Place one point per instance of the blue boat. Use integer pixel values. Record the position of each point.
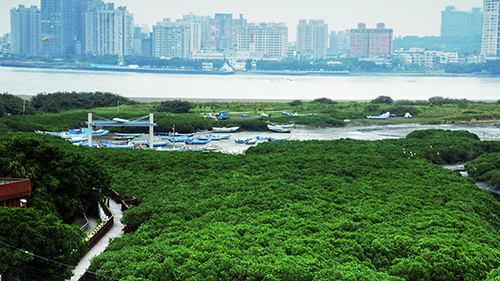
(262, 138)
(282, 139)
(176, 139)
(243, 115)
(194, 141)
(225, 130)
(241, 140)
(128, 135)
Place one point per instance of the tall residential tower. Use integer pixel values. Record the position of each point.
(59, 24)
(312, 37)
(26, 30)
(490, 45)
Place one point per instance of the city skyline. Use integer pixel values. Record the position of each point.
(420, 18)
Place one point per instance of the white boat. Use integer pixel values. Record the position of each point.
(279, 129)
(224, 129)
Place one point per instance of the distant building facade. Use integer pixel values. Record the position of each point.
(371, 42)
(461, 23)
(269, 38)
(490, 44)
(168, 40)
(110, 31)
(26, 30)
(82, 7)
(59, 24)
(224, 30)
(312, 36)
(340, 42)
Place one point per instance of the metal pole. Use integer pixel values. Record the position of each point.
(90, 129)
(151, 121)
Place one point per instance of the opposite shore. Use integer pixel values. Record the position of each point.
(429, 73)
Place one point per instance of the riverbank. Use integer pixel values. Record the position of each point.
(67, 66)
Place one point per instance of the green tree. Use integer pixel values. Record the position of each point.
(175, 106)
(35, 245)
(382, 99)
(64, 183)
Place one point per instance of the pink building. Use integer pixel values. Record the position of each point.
(371, 42)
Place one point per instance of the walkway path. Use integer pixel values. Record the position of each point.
(115, 231)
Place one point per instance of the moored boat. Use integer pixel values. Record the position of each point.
(224, 129)
(282, 139)
(195, 141)
(128, 134)
(280, 129)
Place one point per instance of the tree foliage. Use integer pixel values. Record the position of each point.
(36, 245)
(306, 210)
(174, 106)
(64, 183)
(14, 105)
(382, 99)
(61, 101)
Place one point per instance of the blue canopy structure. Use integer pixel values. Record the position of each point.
(138, 122)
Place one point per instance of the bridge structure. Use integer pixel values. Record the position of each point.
(118, 122)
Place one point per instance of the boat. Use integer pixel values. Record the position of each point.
(282, 139)
(408, 115)
(295, 114)
(175, 139)
(158, 143)
(127, 145)
(243, 115)
(182, 148)
(195, 141)
(78, 139)
(123, 138)
(241, 140)
(100, 132)
(251, 141)
(265, 115)
(262, 138)
(382, 116)
(128, 134)
(279, 129)
(224, 129)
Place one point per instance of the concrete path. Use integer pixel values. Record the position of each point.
(115, 231)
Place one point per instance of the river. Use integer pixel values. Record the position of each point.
(242, 86)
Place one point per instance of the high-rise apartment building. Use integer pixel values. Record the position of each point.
(224, 30)
(461, 23)
(490, 45)
(340, 42)
(82, 7)
(59, 24)
(168, 40)
(109, 31)
(26, 30)
(269, 38)
(371, 42)
(312, 37)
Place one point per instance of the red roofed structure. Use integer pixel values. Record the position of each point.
(14, 192)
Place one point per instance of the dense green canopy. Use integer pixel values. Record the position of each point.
(311, 210)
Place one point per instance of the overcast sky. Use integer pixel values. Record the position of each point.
(406, 17)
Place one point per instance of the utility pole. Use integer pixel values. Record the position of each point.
(118, 110)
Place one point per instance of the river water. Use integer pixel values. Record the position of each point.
(243, 86)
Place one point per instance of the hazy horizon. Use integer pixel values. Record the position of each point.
(419, 18)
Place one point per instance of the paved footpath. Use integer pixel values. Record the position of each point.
(115, 231)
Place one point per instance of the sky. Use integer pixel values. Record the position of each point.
(405, 17)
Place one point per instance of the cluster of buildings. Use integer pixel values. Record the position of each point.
(61, 27)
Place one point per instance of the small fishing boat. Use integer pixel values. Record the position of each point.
(241, 140)
(282, 139)
(195, 141)
(279, 129)
(382, 116)
(78, 139)
(243, 115)
(128, 134)
(123, 138)
(224, 129)
(250, 141)
(265, 115)
(182, 148)
(127, 145)
(262, 138)
(100, 132)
